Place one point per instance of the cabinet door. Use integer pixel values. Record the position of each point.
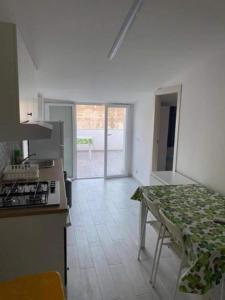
(9, 95)
(35, 109)
(26, 73)
(17, 77)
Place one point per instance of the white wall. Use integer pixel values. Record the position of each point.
(201, 146)
(142, 139)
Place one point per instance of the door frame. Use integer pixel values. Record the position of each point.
(176, 89)
(47, 105)
(127, 133)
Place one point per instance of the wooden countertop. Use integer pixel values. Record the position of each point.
(54, 173)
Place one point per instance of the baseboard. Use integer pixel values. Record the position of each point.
(134, 177)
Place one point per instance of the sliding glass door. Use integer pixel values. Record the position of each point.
(90, 143)
(116, 137)
(96, 138)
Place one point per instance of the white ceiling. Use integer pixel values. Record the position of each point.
(69, 40)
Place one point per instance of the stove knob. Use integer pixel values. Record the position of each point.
(52, 187)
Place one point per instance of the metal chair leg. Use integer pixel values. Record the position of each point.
(179, 275)
(222, 289)
(159, 255)
(156, 252)
(142, 234)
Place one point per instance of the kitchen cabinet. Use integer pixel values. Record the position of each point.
(32, 245)
(17, 77)
(33, 239)
(169, 178)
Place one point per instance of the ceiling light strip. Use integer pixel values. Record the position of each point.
(125, 27)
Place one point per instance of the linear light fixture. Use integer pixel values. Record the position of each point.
(136, 6)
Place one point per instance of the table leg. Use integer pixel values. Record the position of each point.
(142, 224)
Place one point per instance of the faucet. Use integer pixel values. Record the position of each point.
(27, 158)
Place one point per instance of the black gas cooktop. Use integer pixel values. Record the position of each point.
(29, 194)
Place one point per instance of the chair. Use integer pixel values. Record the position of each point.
(176, 244)
(222, 289)
(43, 286)
(157, 226)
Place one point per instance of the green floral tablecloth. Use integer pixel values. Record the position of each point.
(193, 209)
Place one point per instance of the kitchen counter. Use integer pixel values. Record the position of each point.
(54, 173)
(171, 178)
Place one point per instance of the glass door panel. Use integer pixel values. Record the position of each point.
(90, 126)
(116, 135)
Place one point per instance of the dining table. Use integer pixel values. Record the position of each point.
(194, 209)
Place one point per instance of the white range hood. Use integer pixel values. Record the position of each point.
(25, 131)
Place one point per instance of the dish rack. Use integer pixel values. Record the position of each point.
(21, 172)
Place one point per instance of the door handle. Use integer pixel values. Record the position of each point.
(68, 220)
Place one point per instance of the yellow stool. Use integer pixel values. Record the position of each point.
(45, 286)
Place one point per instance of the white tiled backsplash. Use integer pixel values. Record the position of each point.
(5, 153)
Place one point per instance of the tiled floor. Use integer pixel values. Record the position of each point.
(93, 166)
(103, 246)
